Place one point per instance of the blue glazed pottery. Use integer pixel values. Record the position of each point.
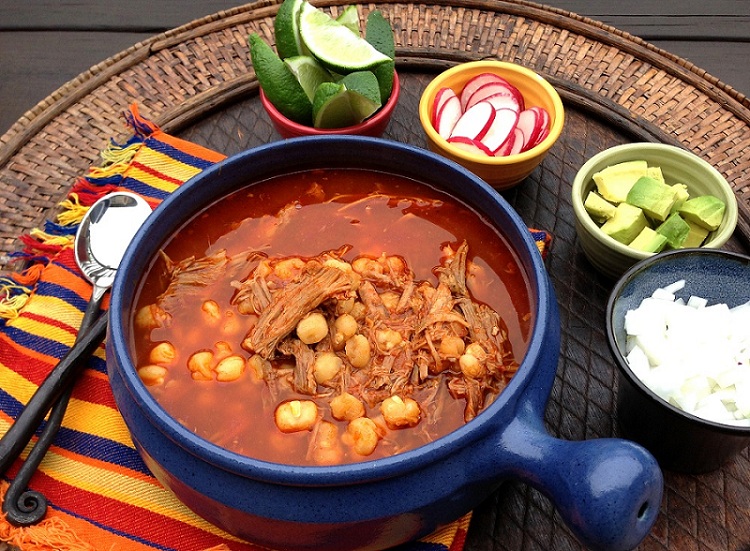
(609, 490)
(680, 441)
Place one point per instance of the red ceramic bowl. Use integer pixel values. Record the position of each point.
(374, 126)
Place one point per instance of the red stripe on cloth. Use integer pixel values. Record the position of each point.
(156, 173)
(120, 517)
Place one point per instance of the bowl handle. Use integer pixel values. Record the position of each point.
(607, 490)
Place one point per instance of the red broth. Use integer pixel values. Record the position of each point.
(303, 215)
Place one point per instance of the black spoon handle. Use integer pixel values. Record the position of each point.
(20, 432)
(24, 507)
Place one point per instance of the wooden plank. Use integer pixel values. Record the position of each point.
(129, 16)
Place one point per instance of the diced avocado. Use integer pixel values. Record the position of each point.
(706, 211)
(627, 222)
(655, 173)
(675, 229)
(598, 208)
(649, 241)
(696, 236)
(656, 199)
(614, 182)
(681, 195)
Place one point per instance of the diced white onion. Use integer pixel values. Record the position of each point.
(694, 355)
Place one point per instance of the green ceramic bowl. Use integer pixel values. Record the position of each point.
(613, 258)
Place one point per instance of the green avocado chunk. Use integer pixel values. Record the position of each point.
(675, 229)
(706, 211)
(598, 208)
(655, 198)
(649, 241)
(696, 236)
(614, 182)
(627, 222)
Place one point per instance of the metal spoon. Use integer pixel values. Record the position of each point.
(100, 243)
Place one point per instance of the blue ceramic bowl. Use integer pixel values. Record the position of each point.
(680, 441)
(608, 490)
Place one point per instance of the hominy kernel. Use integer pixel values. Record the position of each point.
(400, 413)
(296, 415)
(364, 435)
(364, 266)
(388, 339)
(211, 311)
(358, 351)
(200, 364)
(346, 407)
(152, 375)
(390, 300)
(258, 367)
(344, 328)
(358, 310)
(150, 317)
(327, 448)
(313, 328)
(163, 353)
(475, 349)
(326, 366)
(471, 367)
(230, 368)
(288, 268)
(452, 347)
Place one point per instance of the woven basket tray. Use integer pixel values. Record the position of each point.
(197, 82)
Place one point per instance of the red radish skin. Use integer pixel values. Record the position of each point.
(442, 95)
(518, 142)
(448, 116)
(507, 146)
(530, 123)
(495, 89)
(503, 101)
(469, 145)
(475, 122)
(501, 129)
(477, 82)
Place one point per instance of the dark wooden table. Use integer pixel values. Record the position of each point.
(45, 43)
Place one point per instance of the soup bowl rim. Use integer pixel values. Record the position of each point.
(488, 420)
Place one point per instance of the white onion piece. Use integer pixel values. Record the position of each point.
(694, 355)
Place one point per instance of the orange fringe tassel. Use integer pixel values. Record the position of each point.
(51, 534)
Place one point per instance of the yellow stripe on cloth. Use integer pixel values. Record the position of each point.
(173, 170)
(131, 488)
(98, 420)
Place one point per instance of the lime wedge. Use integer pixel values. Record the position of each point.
(350, 19)
(278, 83)
(364, 93)
(378, 32)
(286, 29)
(309, 73)
(335, 45)
(331, 107)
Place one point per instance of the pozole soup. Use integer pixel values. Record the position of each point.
(331, 316)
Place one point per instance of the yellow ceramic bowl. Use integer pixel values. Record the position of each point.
(611, 257)
(499, 172)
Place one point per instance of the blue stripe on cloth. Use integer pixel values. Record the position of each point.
(145, 190)
(178, 155)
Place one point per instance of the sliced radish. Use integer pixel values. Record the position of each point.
(475, 122)
(518, 142)
(530, 123)
(448, 116)
(477, 82)
(504, 101)
(495, 89)
(545, 124)
(502, 127)
(508, 145)
(442, 95)
(472, 146)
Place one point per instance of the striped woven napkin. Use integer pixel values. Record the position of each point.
(101, 495)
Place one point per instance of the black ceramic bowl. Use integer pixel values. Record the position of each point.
(680, 441)
(608, 490)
